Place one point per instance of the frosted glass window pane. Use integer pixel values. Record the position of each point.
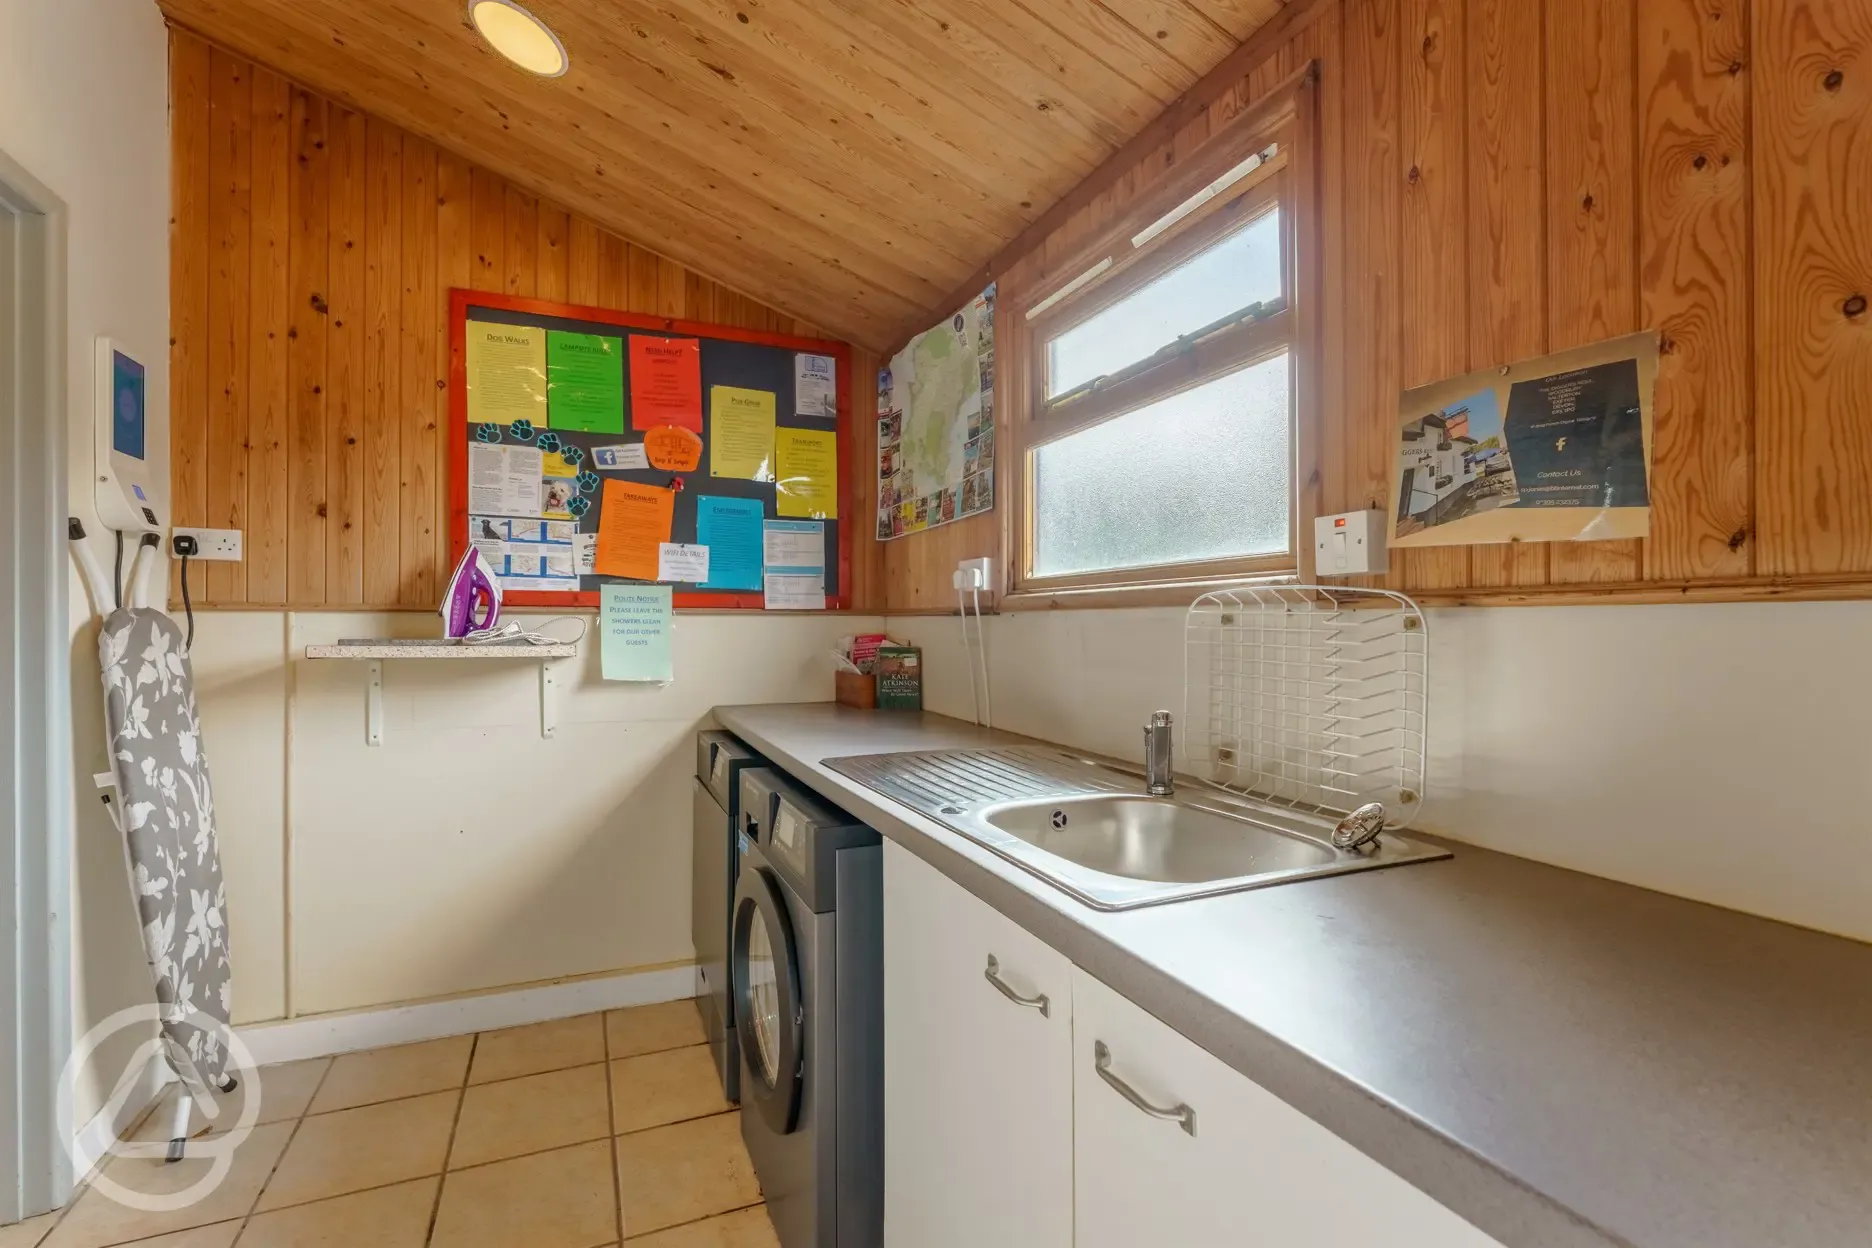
(1205, 474)
(1243, 268)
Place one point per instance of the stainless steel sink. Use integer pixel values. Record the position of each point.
(1155, 839)
(1086, 825)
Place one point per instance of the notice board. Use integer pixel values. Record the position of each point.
(588, 446)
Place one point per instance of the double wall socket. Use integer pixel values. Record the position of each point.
(222, 545)
(975, 574)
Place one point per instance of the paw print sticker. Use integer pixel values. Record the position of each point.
(522, 430)
(588, 482)
(488, 432)
(578, 506)
(574, 455)
(548, 442)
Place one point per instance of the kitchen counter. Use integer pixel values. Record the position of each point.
(1560, 1059)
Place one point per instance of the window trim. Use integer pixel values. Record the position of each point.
(1286, 116)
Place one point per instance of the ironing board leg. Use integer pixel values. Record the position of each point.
(179, 1126)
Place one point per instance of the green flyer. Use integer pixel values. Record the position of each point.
(585, 382)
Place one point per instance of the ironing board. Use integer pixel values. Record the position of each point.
(166, 814)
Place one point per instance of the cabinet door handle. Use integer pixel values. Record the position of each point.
(1101, 1062)
(1036, 1002)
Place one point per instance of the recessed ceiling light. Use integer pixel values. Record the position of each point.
(520, 37)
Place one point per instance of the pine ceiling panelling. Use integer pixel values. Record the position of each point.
(848, 160)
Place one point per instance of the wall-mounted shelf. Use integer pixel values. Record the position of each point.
(374, 650)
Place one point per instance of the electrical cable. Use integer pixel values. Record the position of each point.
(511, 632)
(117, 572)
(967, 652)
(981, 639)
(188, 608)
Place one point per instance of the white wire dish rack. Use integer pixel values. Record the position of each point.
(1310, 697)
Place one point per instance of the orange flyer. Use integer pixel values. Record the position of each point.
(673, 449)
(633, 522)
(665, 382)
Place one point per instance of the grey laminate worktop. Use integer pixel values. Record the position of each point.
(1558, 1058)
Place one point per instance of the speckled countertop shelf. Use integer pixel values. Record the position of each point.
(421, 648)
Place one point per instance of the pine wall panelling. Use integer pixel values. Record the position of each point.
(1502, 178)
(313, 249)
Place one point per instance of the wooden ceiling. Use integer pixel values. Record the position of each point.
(849, 161)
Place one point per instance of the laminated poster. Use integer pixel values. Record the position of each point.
(936, 424)
(1552, 449)
(806, 473)
(815, 385)
(665, 382)
(741, 433)
(504, 480)
(585, 382)
(684, 564)
(527, 555)
(794, 577)
(633, 523)
(634, 632)
(506, 374)
(731, 529)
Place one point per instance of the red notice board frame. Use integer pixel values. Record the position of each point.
(460, 301)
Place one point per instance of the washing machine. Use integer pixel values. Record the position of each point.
(720, 761)
(807, 966)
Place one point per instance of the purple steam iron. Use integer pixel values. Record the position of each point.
(472, 589)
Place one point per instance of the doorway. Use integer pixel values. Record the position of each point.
(35, 732)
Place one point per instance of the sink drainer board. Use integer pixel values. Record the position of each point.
(1311, 697)
(935, 781)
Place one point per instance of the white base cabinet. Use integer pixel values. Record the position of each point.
(978, 1095)
(1215, 1159)
(1090, 1124)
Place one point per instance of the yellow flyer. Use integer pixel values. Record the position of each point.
(806, 473)
(506, 374)
(741, 433)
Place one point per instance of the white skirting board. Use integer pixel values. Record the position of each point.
(326, 1035)
(95, 1138)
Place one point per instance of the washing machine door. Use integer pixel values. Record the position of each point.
(769, 1009)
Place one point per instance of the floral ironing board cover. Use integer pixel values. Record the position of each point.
(169, 832)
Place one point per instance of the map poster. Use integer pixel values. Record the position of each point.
(1547, 450)
(936, 424)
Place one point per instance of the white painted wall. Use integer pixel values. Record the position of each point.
(466, 852)
(1717, 752)
(84, 108)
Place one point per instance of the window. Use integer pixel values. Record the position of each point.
(1160, 436)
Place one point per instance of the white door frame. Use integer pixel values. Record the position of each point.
(35, 683)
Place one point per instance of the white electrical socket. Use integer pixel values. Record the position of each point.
(222, 545)
(975, 574)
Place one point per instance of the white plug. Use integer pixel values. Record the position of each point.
(977, 574)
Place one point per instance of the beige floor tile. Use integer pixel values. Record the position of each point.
(533, 1050)
(372, 1146)
(388, 1074)
(670, 1086)
(285, 1091)
(531, 1115)
(96, 1219)
(683, 1173)
(220, 1235)
(745, 1228)
(648, 1028)
(27, 1234)
(562, 1199)
(386, 1217)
